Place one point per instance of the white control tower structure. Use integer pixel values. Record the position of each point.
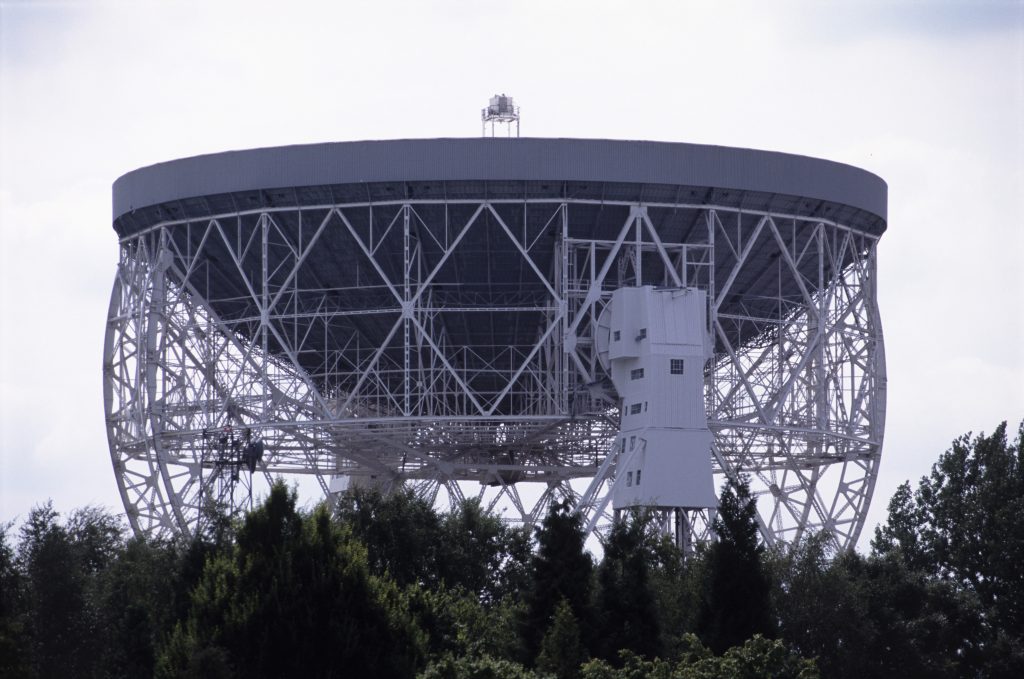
(654, 344)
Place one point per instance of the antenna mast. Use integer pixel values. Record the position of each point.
(501, 109)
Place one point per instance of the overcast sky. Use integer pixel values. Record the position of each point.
(928, 95)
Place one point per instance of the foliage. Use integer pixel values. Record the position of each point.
(482, 554)
(77, 599)
(562, 651)
(13, 636)
(962, 526)
(477, 667)
(757, 658)
(561, 569)
(389, 587)
(134, 599)
(873, 616)
(678, 586)
(901, 534)
(402, 534)
(294, 598)
(632, 667)
(408, 542)
(456, 623)
(214, 536)
(963, 522)
(58, 563)
(626, 606)
(736, 601)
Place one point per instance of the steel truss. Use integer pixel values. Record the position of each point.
(401, 374)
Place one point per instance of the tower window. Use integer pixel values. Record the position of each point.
(634, 409)
(629, 479)
(636, 374)
(642, 334)
(638, 476)
(616, 335)
(675, 366)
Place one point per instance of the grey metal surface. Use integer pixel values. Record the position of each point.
(242, 178)
(425, 313)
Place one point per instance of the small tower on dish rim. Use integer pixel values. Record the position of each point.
(500, 110)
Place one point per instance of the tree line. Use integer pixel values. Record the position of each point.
(385, 586)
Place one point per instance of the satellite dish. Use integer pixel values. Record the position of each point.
(435, 314)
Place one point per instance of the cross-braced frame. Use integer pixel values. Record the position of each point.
(448, 345)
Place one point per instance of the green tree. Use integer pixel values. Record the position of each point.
(561, 650)
(411, 543)
(757, 658)
(736, 601)
(294, 598)
(915, 626)
(873, 616)
(818, 609)
(214, 536)
(458, 624)
(476, 667)
(561, 568)
(401, 531)
(13, 637)
(482, 554)
(626, 607)
(59, 564)
(134, 599)
(629, 665)
(963, 525)
(902, 533)
(676, 585)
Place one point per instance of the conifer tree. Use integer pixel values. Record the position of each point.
(13, 636)
(561, 651)
(560, 569)
(627, 611)
(736, 601)
(294, 598)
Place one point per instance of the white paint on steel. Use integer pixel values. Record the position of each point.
(799, 406)
(654, 343)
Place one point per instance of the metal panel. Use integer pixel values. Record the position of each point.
(437, 332)
(444, 160)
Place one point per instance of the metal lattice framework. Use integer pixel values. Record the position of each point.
(448, 344)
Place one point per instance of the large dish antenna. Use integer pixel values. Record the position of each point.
(432, 313)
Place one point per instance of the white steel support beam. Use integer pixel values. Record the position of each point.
(234, 319)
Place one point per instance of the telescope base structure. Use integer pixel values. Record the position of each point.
(455, 346)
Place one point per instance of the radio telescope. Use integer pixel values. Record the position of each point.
(469, 318)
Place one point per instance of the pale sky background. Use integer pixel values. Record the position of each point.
(928, 95)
